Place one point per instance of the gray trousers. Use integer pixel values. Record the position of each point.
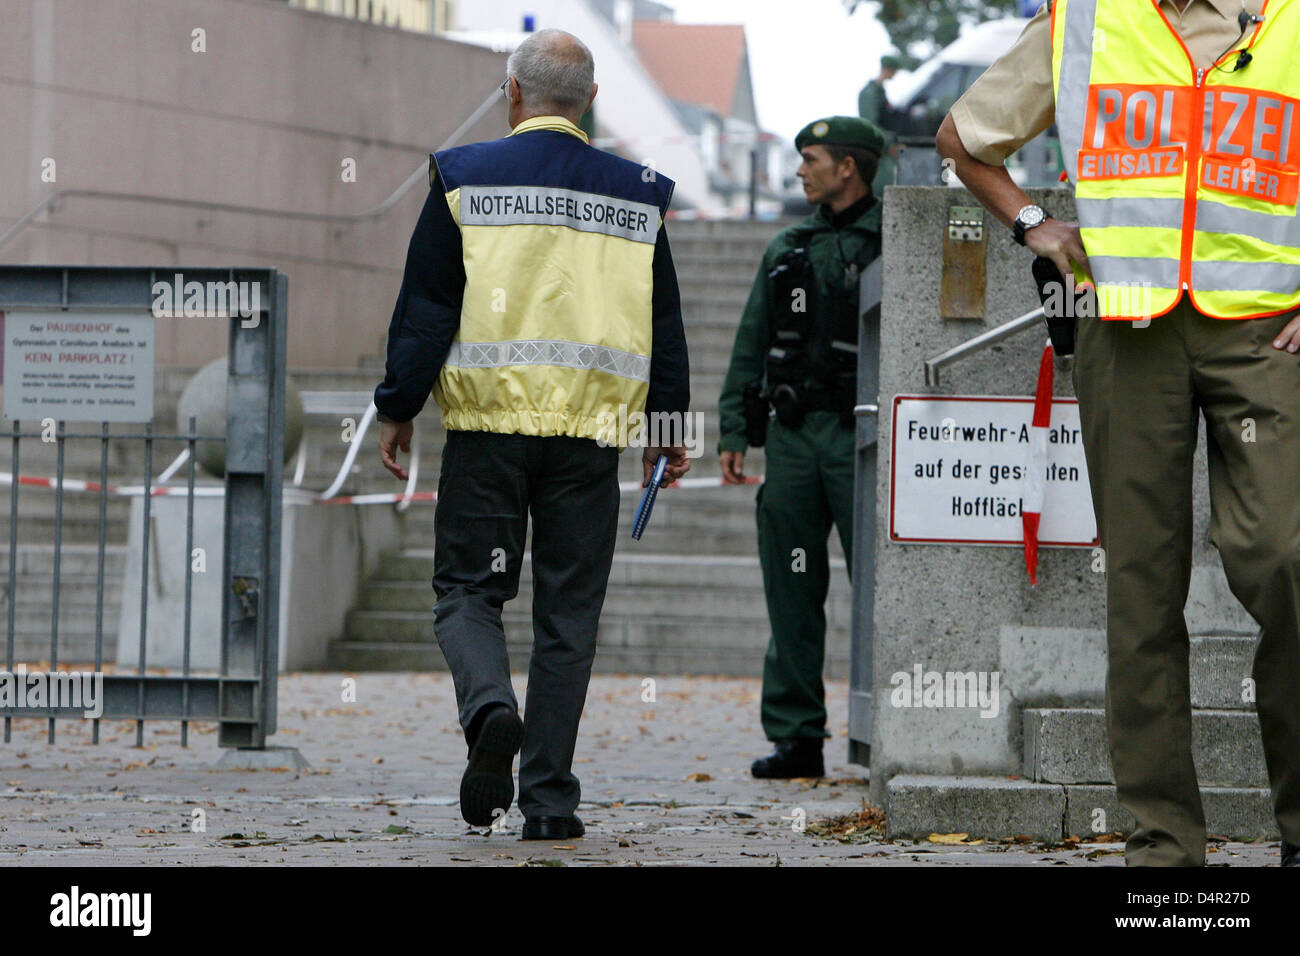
(488, 486)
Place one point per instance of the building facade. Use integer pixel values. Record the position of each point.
(422, 16)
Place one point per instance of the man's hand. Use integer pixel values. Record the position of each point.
(733, 467)
(679, 463)
(1289, 337)
(995, 190)
(1060, 242)
(391, 437)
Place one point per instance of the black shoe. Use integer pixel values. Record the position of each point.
(488, 785)
(553, 828)
(1290, 854)
(800, 757)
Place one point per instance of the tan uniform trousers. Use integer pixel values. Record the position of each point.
(1140, 391)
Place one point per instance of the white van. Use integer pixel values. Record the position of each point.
(925, 96)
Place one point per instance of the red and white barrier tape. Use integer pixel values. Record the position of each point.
(382, 498)
(76, 484)
(626, 487)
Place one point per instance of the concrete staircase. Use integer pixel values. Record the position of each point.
(33, 584)
(1067, 784)
(688, 597)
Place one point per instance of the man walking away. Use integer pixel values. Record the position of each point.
(539, 298)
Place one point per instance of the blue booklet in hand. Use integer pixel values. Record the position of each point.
(648, 497)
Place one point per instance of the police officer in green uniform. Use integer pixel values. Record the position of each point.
(874, 107)
(795, 354)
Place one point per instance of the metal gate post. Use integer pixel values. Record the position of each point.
(242, 697)
(864, 515)
(251, 562)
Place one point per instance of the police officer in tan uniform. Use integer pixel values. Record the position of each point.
(1140, 388)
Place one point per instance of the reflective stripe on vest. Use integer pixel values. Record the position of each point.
(599, 358)
(1184, 179)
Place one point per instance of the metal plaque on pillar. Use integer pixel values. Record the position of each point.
(965, 244)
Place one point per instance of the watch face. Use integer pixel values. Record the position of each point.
(1032, 216)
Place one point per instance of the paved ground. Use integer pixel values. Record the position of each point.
(664, 782)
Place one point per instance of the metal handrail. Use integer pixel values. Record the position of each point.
(375, 212)
(334, 402)
(354, 446)
(978, 344)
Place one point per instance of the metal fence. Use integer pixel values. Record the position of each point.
(867, 413)
(241, 696)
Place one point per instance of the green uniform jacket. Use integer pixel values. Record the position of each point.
(830, 251)
(872, 103)
(871, 106)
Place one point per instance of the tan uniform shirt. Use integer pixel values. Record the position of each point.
(1013, 101)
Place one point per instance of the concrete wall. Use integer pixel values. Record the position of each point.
(115, 95)
(327, 553)
(972, 608)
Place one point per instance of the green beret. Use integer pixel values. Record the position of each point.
(842, 131)
(891, 62)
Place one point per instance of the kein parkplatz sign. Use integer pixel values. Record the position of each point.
(78, 366)
(957, 464)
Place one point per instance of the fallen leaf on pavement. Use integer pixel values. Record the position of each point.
(865, 825)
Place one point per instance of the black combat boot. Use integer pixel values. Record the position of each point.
(800, 757)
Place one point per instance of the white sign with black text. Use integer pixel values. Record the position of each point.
(957, 464)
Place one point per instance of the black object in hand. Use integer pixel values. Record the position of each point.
(1063, 303)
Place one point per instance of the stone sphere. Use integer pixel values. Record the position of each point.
(205, 398)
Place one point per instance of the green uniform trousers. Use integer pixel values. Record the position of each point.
(807, 486)
(1140, 391)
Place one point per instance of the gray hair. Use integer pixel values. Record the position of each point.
(555, 72)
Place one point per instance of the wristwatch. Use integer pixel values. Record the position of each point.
(1028, 217)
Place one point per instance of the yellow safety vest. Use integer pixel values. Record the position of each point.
(558, 244)
(1185, 179)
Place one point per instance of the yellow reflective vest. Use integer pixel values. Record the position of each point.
(1186, 179)
(558, 242)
